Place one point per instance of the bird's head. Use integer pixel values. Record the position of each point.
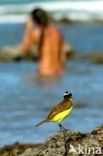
(68, 95)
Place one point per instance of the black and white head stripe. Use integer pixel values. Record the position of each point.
(66, 94)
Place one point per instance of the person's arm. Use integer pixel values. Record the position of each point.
(27, 40)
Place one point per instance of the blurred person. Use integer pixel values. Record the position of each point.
(39, 31)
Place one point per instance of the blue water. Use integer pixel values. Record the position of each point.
(26, 99)
(83, 37)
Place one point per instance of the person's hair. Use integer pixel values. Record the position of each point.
(40, 17)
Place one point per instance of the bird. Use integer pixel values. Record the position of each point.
(60, 112)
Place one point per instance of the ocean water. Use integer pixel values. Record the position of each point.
(82, 37)
(26, 99)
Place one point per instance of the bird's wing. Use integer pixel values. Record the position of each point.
(62, 106)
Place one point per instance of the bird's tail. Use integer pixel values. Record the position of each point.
(40, 123)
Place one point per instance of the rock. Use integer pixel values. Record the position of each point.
(10, 53)
(16, 149)
(70, 52)
(94, 57)
(65, 20)
(97, 58)
(68, 143)
(14, 53)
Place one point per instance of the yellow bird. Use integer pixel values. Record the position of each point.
(61, 111)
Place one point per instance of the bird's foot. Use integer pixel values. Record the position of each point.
(62, 128)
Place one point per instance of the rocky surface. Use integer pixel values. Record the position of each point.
(97, 58)
(16, 149)
(65, 143)
(14, 53)
(94, 57)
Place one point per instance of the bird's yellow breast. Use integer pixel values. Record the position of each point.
(61, 116)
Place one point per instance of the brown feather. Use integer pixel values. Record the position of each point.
(62, 106)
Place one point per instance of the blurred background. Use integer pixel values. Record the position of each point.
(25, 99)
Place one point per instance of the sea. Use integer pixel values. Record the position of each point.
(26, 98)
(17, 10)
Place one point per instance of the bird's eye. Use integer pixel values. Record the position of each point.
(70, 94)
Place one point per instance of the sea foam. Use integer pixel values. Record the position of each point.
(75, 10)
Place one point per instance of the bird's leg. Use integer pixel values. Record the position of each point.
(63, 130)
(61, 127)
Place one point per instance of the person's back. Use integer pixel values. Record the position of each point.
(51, 49)
(50, 43)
